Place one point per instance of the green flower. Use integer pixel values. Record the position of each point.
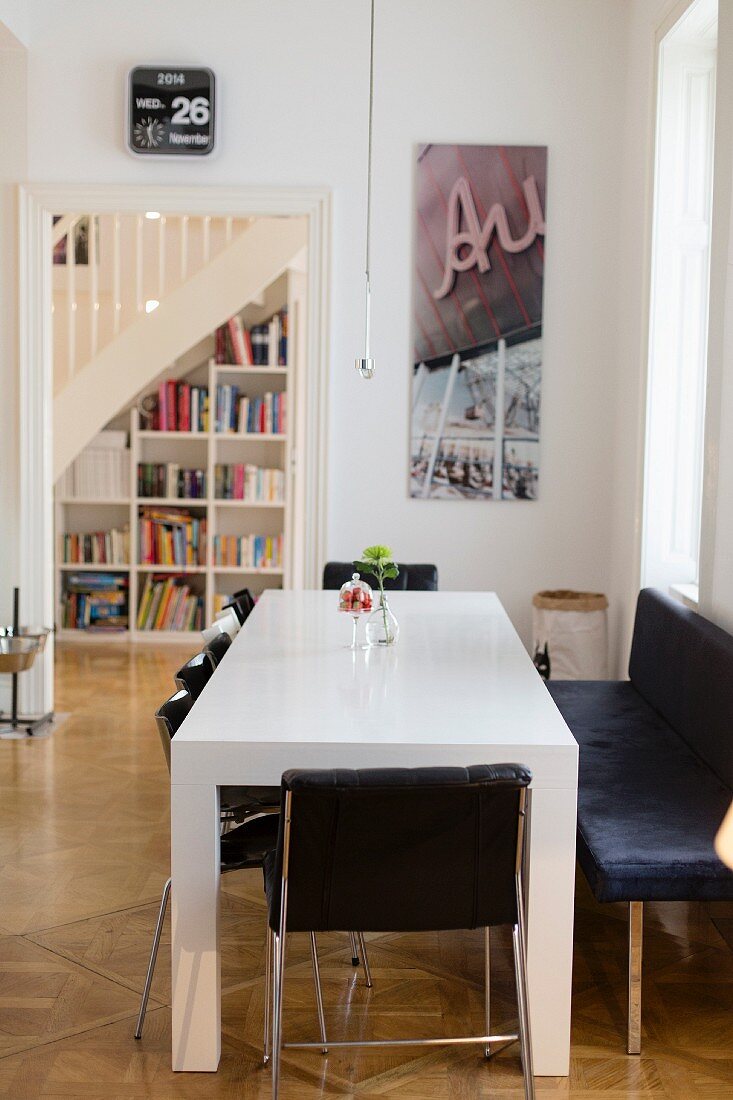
(377, 553)
(377, 562)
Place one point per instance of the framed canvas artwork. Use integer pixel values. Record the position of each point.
(477, 369)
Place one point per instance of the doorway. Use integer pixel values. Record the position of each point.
(81, 399)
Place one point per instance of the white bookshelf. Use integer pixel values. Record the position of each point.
(204, 450)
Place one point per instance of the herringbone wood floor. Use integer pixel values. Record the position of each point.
(84, 845)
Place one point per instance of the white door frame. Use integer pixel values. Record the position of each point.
(37, 204)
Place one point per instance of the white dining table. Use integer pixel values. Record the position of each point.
(459, 688)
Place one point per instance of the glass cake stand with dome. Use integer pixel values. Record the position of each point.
(356, 599)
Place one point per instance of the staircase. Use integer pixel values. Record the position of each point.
(135, 292)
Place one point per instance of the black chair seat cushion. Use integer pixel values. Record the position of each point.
(248, 845)
(648, 807)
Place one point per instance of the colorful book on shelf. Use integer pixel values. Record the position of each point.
(94, 602)
(168, 479)
(264, 345)
(168, 603)
(236, 413)
(248, 483)
(96, 548)
(239, 341)
(248, 551)
(181, 407)
(171, 537)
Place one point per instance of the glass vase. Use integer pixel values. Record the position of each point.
(382, 629)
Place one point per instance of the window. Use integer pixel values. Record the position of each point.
(678, 321)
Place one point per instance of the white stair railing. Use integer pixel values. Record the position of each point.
(131, 262)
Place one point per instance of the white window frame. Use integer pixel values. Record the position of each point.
(679, 303)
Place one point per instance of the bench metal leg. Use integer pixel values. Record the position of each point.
(636, 927)
(487, 988)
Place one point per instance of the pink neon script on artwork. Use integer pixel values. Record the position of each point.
(467, 248)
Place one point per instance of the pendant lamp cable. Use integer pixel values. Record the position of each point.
(369, 155)
(366, 365)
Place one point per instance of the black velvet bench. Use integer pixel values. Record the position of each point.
(656, 770)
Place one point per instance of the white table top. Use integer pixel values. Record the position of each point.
(458, 688)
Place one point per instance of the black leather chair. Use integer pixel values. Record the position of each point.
(411, 578)
(241, 848)
(237, 804)
(243, 603)
(195, 674)
(218, 647)
(406, 830)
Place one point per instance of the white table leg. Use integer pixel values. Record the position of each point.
(550, 928)
(196, 964)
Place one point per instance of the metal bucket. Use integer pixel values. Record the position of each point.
(39, 634)
(17, 654)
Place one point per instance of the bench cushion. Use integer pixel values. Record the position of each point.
(648, 806)
(683, 666)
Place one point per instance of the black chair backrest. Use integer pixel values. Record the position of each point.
(218, 647)
(412, 578)
(195, 674)
(400, 849)
(169, 718)
(243, 603)
(682, 664)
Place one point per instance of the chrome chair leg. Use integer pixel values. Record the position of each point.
(319, 991)
(269, 948)
(487, 988)
(365, 960)
(354, 949)
(277, 1011)
(520, 970)
(636, 936)
(153, 958)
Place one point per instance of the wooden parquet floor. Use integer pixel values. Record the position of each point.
(84, 847)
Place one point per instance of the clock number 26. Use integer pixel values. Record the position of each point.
(189, 111)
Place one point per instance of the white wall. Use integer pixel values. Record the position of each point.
(292, 91)
(15, 23)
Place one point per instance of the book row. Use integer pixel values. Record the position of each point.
(95, 602)
(98, 603)
(167, 603)
(168, 479)
(242, 481)
(180, 407)
(248, 551)
(237, 413)
(97, 547)
(259, 346)
(171, 537)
